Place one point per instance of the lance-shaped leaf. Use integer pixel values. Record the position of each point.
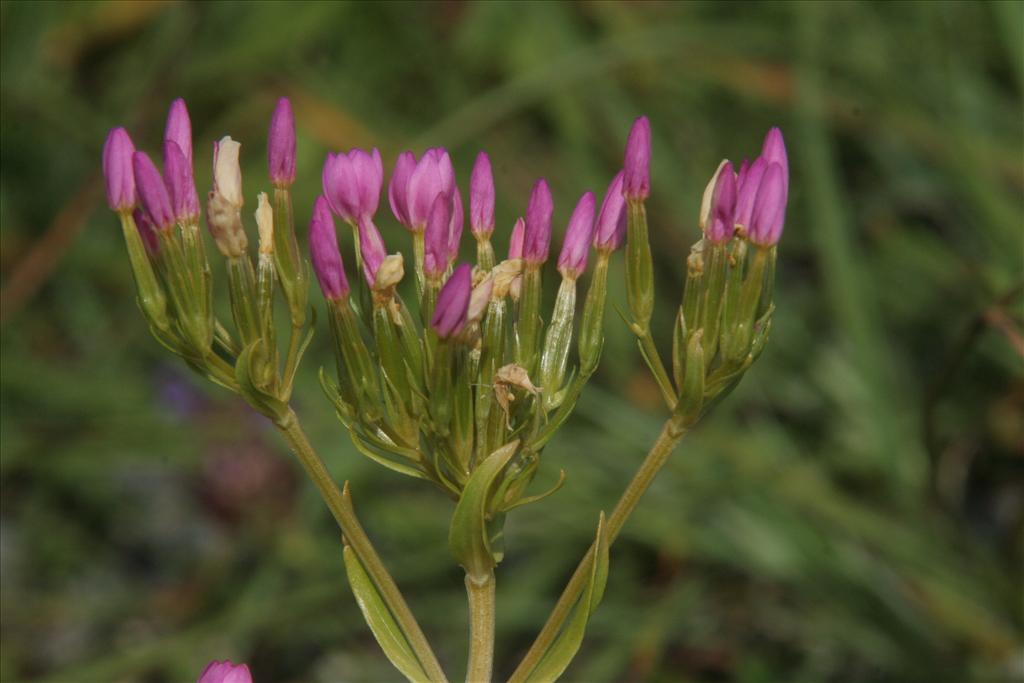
(567, 644)
(469, 534)
(380, 620)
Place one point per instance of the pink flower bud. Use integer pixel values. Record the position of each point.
(147, 231)
(225, 672)
(281, 144)
(152, 191)
(481, 196)
(573, 259)
(323, 251)
(774, 151)
(180, 183)
(537, 240)
(352, 184)
(117, 170)
(769, 213)
(637, 165)
(453, 303)
(179, 128)
(371, 248)
(515, 243)
(435, 257)
(398, 188)
(432, 176)
(610, 229)
(455, 225)
(747, 184)
(721, 224)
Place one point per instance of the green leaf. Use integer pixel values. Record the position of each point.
(469, 536)
(567, 644)
(380, 620)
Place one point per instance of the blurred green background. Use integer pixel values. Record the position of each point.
(853, 512)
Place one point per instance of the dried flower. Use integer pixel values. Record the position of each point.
(537, 240)
(572, 261)
(323, 251)
(281, 144)
(118, 171)
(352, 184)
(481, 197)
(265, 223)
(227, 174)
(637, 165)
(453, 303)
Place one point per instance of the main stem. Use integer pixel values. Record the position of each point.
(670, 436)
(481, 628)
(360, 542)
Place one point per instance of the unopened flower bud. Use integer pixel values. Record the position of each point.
(118, 171)
(352, 184)
(227, 175)
(152, 191)
(455, 225)
(720, 224)
(774, 151)
(432, 176)
(610, 228)
(281, 144)
(708, 196)
(225, 672)
(265, 223)
(147, 231)
(572, 261)
(371, 248)
(435, 258)
(398, 188)
(452, 303)
(515, 243)
(225, 223)
(769, 212)
(637, 164)
(180, 183)
(481, 197)
(537, 239)
(323, 251)
(748, 183)
(179, 128)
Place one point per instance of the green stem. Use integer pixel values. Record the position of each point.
(653, 359)
(343, 513)
(291, 360)
(481, 628)
(670, 436)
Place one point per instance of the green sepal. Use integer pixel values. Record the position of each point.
(564, 648)
(571, 394)
(292, 271)
(639, 266)
(242, 291)
(591, 337)
(536, 497)
(470, 531)
(149, 294)
(367, 449)
(484, 252)
(691, 392)
(257, 396)
(288, 382)
(679, 348)
(529, 325)
(714, 295)
(382, 623)
(555, 353)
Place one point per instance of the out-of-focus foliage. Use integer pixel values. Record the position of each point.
(852, 512)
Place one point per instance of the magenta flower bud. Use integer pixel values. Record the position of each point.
(746, 191)
(455, 225)
(179, 128)
(432, 176)
(769, 207)
(352, 184)
(481, 197)
(180, 183)
(281, 144)
(323, 251)
(117, 170)
(637, 165)
(774, 152)
(515, 243)
(453, 303)
(371, 248)
(573, 259)
(537, 240)
(435, 256)
(721, 226)
(147, 231)
(610, 229)
(398, 188)
(152, 191)
(225, 672)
